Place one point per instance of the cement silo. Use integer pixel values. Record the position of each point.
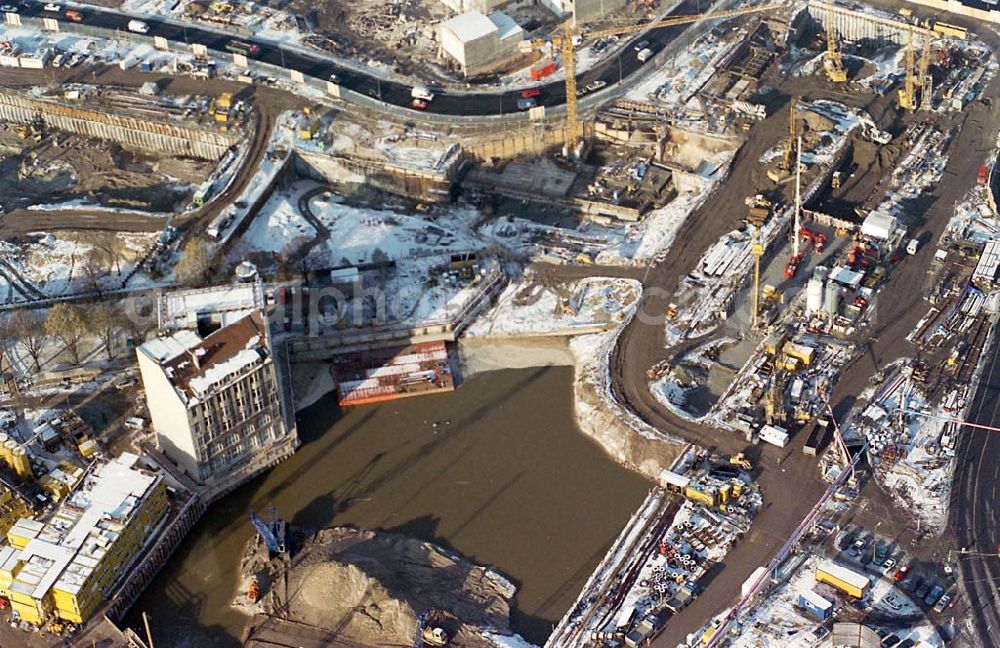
(831, 300)
(814, 294)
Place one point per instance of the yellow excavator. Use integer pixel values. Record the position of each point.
(784, 169)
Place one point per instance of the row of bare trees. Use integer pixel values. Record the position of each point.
(69, 324)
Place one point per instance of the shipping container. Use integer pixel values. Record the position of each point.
(816, 605)
(818, 431)
(846, 580)
(950, 30)
(542, 69)
(758, 574)
(670, 478)
(774, 435)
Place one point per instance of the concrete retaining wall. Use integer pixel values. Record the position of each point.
(155, 137)
(427, 186)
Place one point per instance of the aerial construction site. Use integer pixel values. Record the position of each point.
(258, 262)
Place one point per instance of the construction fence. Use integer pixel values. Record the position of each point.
(156, 137)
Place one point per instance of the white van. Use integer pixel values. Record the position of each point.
(138, 27)
(645, 55)
(422, 92)
(912, 246)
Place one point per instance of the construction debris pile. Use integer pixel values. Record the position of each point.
(721, 500)
(911, 442)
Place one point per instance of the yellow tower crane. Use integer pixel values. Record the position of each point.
(568, 31)
(925, 80)
(834, 62)
(907, 94)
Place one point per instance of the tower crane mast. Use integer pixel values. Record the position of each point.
(566, 33)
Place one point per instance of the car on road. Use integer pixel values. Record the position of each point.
(52, 7)
(9, 8)
(74, 16)
(530, 92)
(333, 78)
(641, 45)
(942, 603)
(419, 104)
(594, 86)
(526, 103)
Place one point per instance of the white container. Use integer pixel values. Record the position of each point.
(774, 435)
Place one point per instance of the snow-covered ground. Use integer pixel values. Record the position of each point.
(675, 83)
(526, 308)
(912, 445)
(779, 621)
(70, 263)
(507, 641)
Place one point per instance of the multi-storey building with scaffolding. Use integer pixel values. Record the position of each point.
(64, 568)
(214, 386)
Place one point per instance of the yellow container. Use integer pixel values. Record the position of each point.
(7, 452)
(22, 465)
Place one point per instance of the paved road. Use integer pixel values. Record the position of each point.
(393, 92)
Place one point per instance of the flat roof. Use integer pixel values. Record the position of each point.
(182, 308)
(470, 26)
(849, 576)
(76, 538)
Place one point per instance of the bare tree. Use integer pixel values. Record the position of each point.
(94, 267)
(194, 262)
(103, 321)
(65, 321)
(28, 327)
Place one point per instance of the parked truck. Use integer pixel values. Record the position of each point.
(643, 631)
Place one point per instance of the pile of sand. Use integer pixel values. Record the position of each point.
(370, 588)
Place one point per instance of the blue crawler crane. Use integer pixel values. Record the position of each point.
(272, 533)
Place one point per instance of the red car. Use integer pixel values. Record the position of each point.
(530, 92)
(419, 104)
(900, 574)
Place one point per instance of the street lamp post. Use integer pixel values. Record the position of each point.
(875, 541)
